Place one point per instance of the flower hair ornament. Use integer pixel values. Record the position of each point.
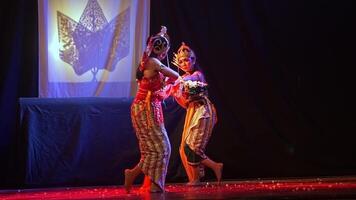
(158, 44)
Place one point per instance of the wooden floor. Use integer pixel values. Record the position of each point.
(293, 188)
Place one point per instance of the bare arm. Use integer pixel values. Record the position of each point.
(166, 71)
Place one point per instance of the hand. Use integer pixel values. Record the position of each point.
(179, 80)
(178, 86)
(169, 80)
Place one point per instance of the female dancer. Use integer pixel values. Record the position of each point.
(200, 117)
(147, 116)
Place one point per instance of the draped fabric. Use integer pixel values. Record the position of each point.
(154, 143)
(84, 140)
(87, 141)
(199, 123)
(147, 120)
(90, 47)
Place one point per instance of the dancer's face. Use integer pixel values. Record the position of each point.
(186, 64)
(162, 55)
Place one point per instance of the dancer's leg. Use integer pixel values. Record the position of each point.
(130, 176)
(187, 168)
(195, 175)
(146, 184)
(216, 167)
(155, 188)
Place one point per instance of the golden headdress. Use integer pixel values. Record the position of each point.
(184, 51)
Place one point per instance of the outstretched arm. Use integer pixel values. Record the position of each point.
(166, 71)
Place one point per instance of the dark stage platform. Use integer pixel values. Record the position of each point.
(292, 188)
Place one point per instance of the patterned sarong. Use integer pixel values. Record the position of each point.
(154, 144)
(199, 122)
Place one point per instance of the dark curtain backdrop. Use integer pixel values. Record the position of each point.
(18, 78)
(279, 74)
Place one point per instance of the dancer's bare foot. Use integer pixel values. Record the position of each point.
(194, 183)
(155, 189)
(201, 171)
(218, 171)
(146, 185)
(128, 180)
(144, 189)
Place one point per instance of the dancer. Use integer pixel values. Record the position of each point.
(200, 117)
(147, 115)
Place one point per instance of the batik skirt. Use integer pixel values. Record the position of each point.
(155, 148)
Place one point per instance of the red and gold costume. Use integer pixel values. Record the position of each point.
(148, 122)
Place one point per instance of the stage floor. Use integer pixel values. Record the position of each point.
(258, 189)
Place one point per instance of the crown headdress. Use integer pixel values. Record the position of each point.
(184, 51)
(158, 43)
